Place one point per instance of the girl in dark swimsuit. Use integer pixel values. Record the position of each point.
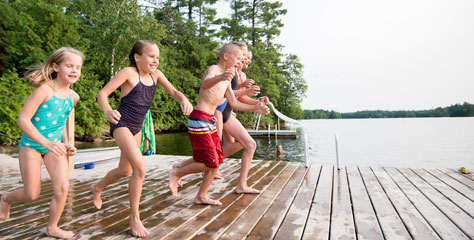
(138, 86)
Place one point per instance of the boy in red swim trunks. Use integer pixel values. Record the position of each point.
(207, 151)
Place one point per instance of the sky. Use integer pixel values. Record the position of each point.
(380, 54)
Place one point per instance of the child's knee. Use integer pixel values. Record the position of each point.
(250, 144)
(139, 172)
(32, 195)
(124, 172)
(61, 189)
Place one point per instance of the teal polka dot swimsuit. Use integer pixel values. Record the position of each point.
(50, 120)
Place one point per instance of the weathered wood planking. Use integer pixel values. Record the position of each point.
(296, 203)
(450, 210)
(390, 222)
(295, 220)
(342, 221)
(366, 223)
(317, 226)
(440, 223)
(412, 219)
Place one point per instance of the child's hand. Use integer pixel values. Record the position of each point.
(113, 116)
(262, 108)
(265, 100)
(248, 83)
(186, 107)
(56, 147)
(228, 74)
(71, 150)
(252, 91)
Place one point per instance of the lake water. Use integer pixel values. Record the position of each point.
(400, 142)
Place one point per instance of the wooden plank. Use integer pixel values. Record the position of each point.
(460, 218)
(268, 225)
(453, 183)
(231, 204)
(454, 196)
(438, 221)
(117, 224)
(244, 224)
(227, 217)
(82, 213)
(295, 220)
(390, 223)
(317, 226)
(459, 177)
(412, 219)
(342, 221)
(367, 225)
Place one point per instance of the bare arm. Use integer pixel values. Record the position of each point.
(186, 106)
(258, 108)
(211, 77)
(118, 80)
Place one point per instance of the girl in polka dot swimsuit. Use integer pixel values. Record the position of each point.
(42, 121)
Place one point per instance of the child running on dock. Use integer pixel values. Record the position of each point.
(42, 120)
(138, 86)
(207, 151)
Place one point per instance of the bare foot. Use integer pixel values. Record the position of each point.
(218, 175)
(97, 200)
(59, 233)
(240, 190)
(4, 208)
(175, 166)
(138, 230)
(207, 201)
(173, 182)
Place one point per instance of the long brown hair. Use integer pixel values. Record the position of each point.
(44, 73)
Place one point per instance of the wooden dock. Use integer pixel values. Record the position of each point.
(319, 202)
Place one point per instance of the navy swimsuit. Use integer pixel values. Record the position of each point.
(134, 106)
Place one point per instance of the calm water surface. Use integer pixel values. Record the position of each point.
(401, 142)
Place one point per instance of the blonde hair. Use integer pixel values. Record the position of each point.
(44, 73)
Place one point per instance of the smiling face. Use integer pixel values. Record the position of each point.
(69, 70)
(148, 61)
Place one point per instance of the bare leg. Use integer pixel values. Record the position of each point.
(220, 127)
(30, 169)
(201, 197)
(130, 148)
(230, 146)
(58, 170)
(195, 167)
(235, 129)
(123, 170)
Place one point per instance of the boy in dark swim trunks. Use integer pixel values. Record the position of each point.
(207, 152)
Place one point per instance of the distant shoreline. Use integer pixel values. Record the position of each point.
(457, 110)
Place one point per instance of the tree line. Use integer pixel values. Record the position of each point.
(187, 32)
(457, 110)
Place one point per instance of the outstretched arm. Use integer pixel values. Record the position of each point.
(186, 106)
(258, 108)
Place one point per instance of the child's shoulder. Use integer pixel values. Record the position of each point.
(75, 97)
(46, 87)
(128, 70)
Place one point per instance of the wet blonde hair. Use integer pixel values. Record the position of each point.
(45, 72)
